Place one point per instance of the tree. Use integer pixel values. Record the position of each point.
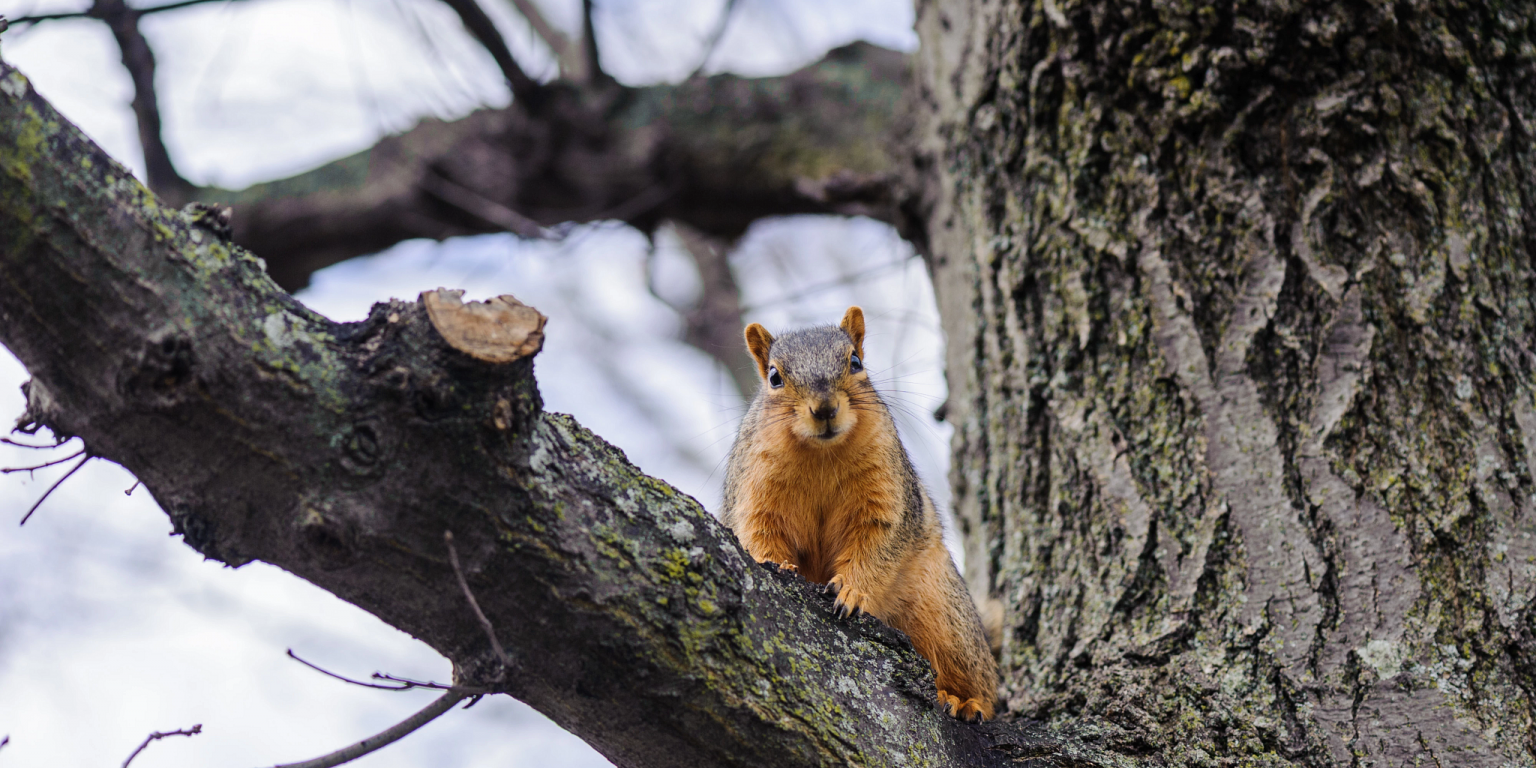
(1239, 308)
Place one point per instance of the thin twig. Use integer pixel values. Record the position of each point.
(569, 57)
(30, 470)
(595, 73)
(136, 484)
(490, 632)
(404, 684)
(481, 207)
(7, 739)
(409, 683)
(53, 488)
(156, 736)
(714, 37)
(344, 678)
(8, 441)
(389, 735)
(88, 14)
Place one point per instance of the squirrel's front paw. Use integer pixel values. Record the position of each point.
(790, 567)
(849, 599)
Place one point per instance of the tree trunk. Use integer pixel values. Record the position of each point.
(1238, 300)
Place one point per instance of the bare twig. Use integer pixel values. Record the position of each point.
(389, 735)
(343, 678)
(32, 469)
(54, 487)
(407, 683)
(8, 441)
(7, 739)
(156, 736)
(595, 73)
(88, 14)
(524, 89)
(136, 484)
(714, 37)
(490, 632)
(402, 683)
(475, 204)
(573, 65)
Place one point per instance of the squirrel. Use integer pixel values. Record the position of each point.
(818, 482)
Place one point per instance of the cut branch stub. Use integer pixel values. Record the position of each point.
(499, 330)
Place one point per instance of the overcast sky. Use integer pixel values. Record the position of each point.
(111, 629)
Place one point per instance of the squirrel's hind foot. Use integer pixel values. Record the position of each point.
(969, 710)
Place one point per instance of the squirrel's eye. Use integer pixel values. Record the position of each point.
(855, 364)
(774, 379)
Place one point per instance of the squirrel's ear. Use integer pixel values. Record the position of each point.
(853, 325)
(758, 342)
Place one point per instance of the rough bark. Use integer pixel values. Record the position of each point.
(1238, 299)
(343, 452)
(715, 153)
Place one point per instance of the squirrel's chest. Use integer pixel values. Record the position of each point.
(817, 511)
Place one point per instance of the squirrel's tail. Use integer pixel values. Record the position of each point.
(991, 610)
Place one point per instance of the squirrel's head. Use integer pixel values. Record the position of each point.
(814, 381)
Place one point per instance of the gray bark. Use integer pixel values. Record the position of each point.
(1238, 299)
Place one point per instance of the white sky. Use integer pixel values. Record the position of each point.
(110, 629)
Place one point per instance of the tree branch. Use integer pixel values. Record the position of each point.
(139, 60)
(89, 14)
(524, 89)
(594, 62)
(713, 41)
(573, 63)
(156, 736)
(713, 324)
(340, 452)
(715, 154)
(389, 735)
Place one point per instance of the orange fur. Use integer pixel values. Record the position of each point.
(819, 483)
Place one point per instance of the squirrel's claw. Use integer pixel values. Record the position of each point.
(849, 600)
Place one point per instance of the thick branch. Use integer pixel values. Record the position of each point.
(341, 452)
(716, 154)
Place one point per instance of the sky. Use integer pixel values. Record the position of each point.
(110, 628)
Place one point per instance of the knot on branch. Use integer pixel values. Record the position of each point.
(329, 531)
(159, 369)
(217, 219)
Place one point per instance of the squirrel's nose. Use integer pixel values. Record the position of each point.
(826, 412)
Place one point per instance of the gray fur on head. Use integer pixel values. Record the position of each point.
(820, 355)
